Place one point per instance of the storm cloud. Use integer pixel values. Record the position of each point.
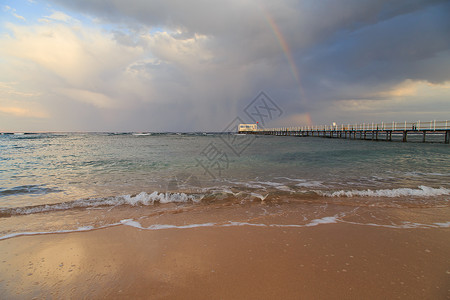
(194, 65)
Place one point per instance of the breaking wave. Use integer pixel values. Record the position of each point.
(419, 196)
(142, 198)
(421, 191)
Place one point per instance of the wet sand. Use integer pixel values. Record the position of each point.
(330, 261)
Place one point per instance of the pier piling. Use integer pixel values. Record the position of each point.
(431, 132)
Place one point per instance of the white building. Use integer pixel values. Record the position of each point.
(247, 127)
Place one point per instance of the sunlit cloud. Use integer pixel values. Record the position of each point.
(22, 112)
(7, 8)
(76, 56)
(410, 100)
(59, 16)
(170, 65)
(10, 89)
(94, 98)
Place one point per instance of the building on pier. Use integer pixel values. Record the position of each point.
(247, 127)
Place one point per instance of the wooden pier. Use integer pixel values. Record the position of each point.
(431, 131)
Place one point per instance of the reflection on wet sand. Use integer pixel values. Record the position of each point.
(325, 261)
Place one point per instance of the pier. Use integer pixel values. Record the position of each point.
(430, 131)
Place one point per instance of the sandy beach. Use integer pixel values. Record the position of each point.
(330, 261)
(113, 216)
(197, 149)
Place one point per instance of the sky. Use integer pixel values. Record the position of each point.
(176, 65)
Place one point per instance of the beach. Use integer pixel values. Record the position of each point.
(124, 216)
(329, 261)
(224, 149)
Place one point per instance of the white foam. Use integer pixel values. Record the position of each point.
(232, 224)
(422, 191)
(310, 184)
(130, 222)
(164, 226)
(142, 198)
(315, 222)
(269, 183)
(443, 225)
(17, 234)
(161, 226)
(262, 184)
(324, 220)
(226, 191)
(150, 199)
(291, 179)
(259, 196)
(417, 174)
(196, 225)
(284, 188)
(250, 184)
(404, 225)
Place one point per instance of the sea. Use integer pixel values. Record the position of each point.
(54, 183)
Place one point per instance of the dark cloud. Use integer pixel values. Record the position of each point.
(201, 61)
(409, 46)
(351, 31)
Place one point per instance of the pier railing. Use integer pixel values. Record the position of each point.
(394, 126)
(384, 131)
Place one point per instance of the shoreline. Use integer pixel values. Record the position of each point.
(331, 261)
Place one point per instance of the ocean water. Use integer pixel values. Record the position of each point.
(66, 182)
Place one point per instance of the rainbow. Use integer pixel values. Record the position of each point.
(287, 53)
(308, 119)
(283, 44)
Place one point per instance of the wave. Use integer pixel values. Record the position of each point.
(338, 218)
(404, 225)
(142, 198)
(16, 234)
(315, 222)
(282, 194)
(307, 184)
(263, 185)
(136, 224)
(422, 191)
(32, 135)
(419, 174)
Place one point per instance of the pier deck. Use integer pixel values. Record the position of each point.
(432, 131)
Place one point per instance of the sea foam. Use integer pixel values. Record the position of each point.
(422, 191)
(315, 222)
(142, 198)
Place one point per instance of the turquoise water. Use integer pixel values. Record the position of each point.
(54, 176)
